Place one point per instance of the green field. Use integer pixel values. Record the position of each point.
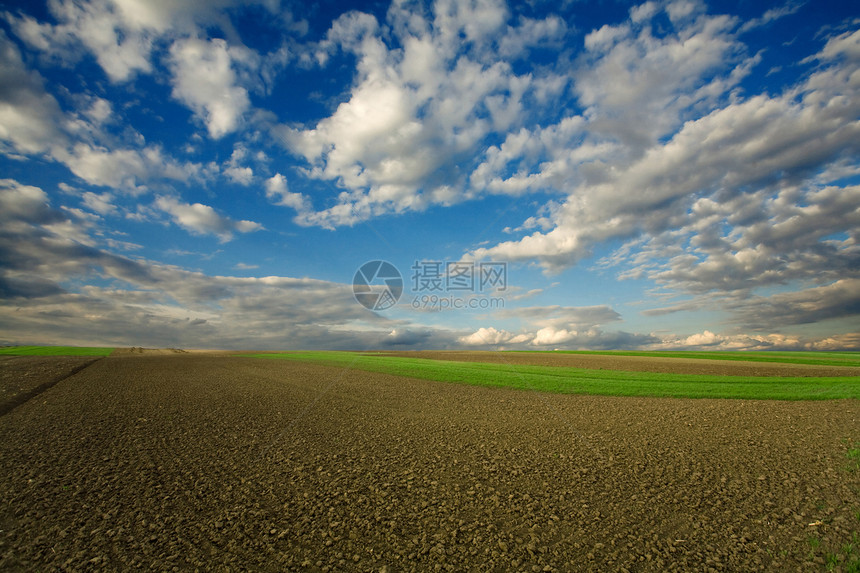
(814, 358)
(55, 351)
(567, 380)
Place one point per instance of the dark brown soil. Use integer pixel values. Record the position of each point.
(222, 463)
(24, 377)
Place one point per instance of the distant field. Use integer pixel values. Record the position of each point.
(54, 351)
(813, 358)
(567, 380)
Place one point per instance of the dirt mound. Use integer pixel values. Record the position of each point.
(209, 461)
(148, 351)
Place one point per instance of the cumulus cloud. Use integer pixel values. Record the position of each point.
(28, 115)
(126, 37)
(755, 240)
(532, 33)
(418, 109)
(101, 203)
(236, 169)
(120, 34)
(637, 87)
(241, 175)
(491, 337)
(708, 340)
(203, 219)
(204, 79)
(846, 44)
(556, 327)
(120, 45)
(125, 169)
(277, 191)
(32, 122)
(644, 187)
(551, 338)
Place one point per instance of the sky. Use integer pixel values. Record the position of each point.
(460, 174)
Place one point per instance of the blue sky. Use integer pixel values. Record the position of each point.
(657, 175)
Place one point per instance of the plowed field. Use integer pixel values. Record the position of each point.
(183, 461)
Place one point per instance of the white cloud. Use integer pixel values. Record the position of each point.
(847, 44)
(488, 337)
(31, 122)
(126, 37)
(120, 50)
(121, 34)
(28, 116)
(124, 169)
(203, 219)
(549, 336)
(708, 340)
(849, 341)
(278, 193)
(555, 326)
(204, 79)
(638, 14)
(637, 87)
(417, 110)
(744, 147)
(119, 168)
(236, 171)
(532, 33)
(771, 15)
(755, 240)
(101, 203)
(100, 111)
(241, 175)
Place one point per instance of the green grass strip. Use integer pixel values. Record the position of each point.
(584, 381)
(799, 357)
(54, 351)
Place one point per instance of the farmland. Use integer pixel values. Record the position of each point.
(551, 372)
(54, 351)
(377, 461)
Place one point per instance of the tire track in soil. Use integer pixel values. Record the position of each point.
(21, 398)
